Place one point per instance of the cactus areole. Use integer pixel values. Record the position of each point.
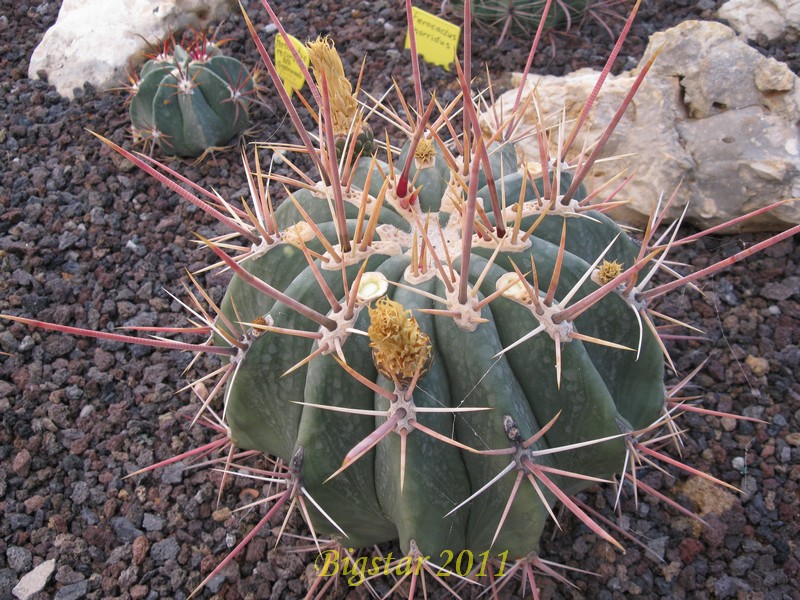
(190, 99)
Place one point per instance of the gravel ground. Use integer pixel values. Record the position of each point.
(87, 240)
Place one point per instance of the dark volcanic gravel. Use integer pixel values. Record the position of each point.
(86, 240)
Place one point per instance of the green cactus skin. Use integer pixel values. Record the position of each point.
(364, 143)
(191, 99)
(522, 17)
(603, 391)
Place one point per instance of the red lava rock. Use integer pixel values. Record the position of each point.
(776, 291)
(208, 563)
(97, 536)
(256, 550)
(139, 549)
(110, 508)
(79, 446)
(139, 591)
(57, 524)
(22, 463)
(714, 533)
(103, 360)
(34, 503)
(689, 548)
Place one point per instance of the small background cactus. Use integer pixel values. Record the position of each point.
(522, 17)
(190, 98)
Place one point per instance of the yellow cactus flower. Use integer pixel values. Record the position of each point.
(425, 151)
(399, 347)
(608, 271)
(325, 61)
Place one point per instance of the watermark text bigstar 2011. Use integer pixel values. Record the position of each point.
(335, 562)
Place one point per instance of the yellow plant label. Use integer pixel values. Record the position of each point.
(437, 40)
(285, 64)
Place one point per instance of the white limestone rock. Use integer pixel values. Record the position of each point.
(34, 581)
(713, 116)
(774, 19)
(95, 40)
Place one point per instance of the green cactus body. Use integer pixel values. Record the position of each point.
(364, 143)
(191, 100)
(602, 392)
(521, 17)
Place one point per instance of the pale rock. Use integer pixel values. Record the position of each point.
(34, 581)
(758, 365)
(714, 120)
(96, 41)
(774, 19)
(707, 497)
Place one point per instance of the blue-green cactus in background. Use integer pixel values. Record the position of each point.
(191, 98)
(522, 17)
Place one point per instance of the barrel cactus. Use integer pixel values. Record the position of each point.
(466, 354)
(433, 344)
(190, 98)
(522, 17)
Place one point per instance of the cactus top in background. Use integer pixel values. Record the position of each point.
(190, 98)
(522, 17)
